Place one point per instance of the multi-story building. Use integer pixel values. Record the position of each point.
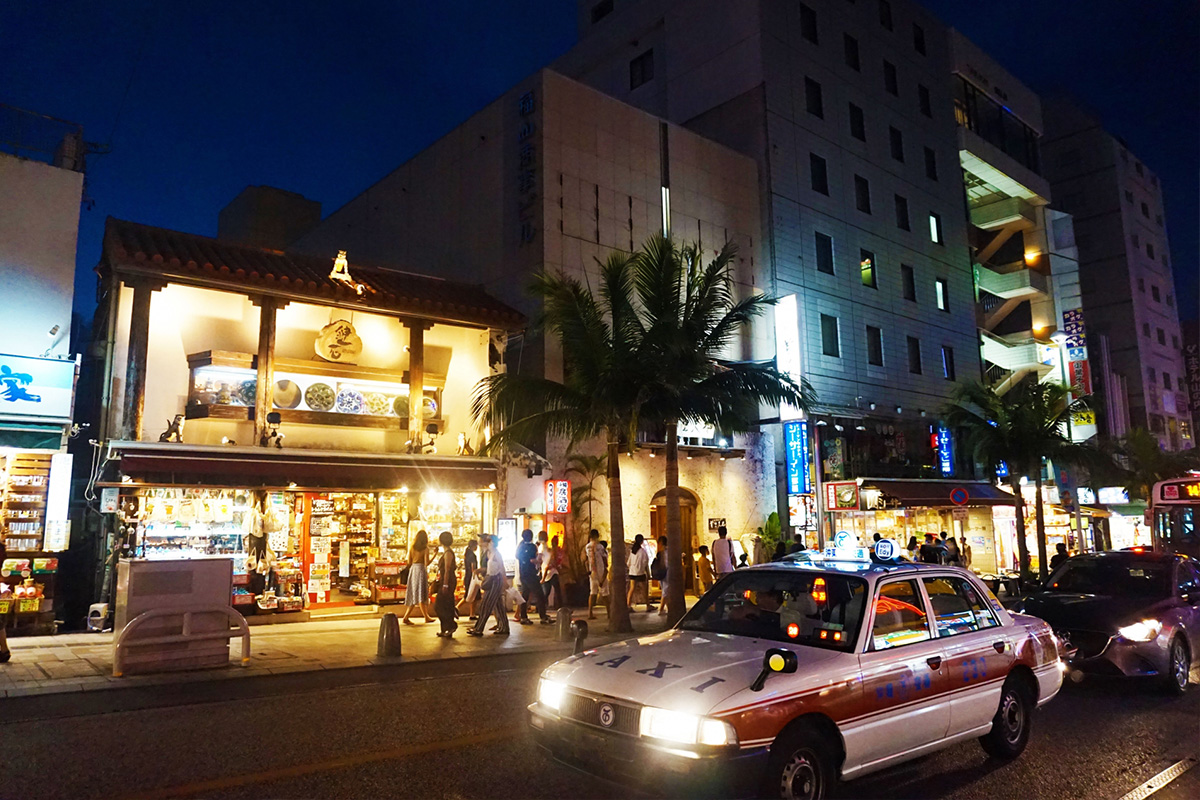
(1125, 267)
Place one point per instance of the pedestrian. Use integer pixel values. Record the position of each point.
(639, 573)
(528, 572)
(416, 594)
(658, 571)
(597, 567)
(943, 549)
(1060, 555)
(5, 653)
(797, 545)
(722, 552)
(493, 588)
(912, 548)
(780, 552)
(447, 585)
(472, 578)
(953, 555)
(704, 568)
(929, 551)
(965, 550)
(551, 555)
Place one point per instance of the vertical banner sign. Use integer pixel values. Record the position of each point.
(1077, 364)
(787, 346)
(558, 497)
(1191, 360)
(945, 450)
(799, 470)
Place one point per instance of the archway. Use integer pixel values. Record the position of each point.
(689, 505)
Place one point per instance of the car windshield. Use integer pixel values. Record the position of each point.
(1125, 577)
(815, 609)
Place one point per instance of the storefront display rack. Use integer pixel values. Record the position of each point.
(388, 581)
(24, 479)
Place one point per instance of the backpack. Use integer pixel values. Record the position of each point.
(658, 568)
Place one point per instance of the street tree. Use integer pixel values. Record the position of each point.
(1145, 462)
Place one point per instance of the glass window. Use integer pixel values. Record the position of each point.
(1128, 196)
(1167, 381)
(890, 80)
(874, 345)
(829, 336)
(1145, 211)
(935, 228)
(601, 10)
(896, 138)
(931, 164)
(914, 355)
(948, 363)
(885, 14)
(1146, 329)
(866, 263)
(923, 100)
(641, 69)
(940, 288)
(850, 46)
(862, 194)
(900, 617)
(808, 24)
(918, 38)
(909, 280)
(818, 174)
(1150, 249)
(1154, 292)
(902, 213)
(1189, 579)
(813, 609)
(1116, 576)
(1162, 335)
(812, 98)
(858, 125)
(824, 246)
(957, 607)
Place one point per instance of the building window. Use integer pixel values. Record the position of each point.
(1162, 336)
(1167, 381)
(1137, 241)
(1171, 299)
(1137, 165)
(1145, 211)
(918, 38)
(942, 290)
(874, 345)
(902, 213)
(976, 111)
(1150, 249)
(824, 246)
(890, 81)
(850, 46)
(948, 363)
(858, 125)
(1141, 284)
(1158, 220)
(923, 100)
(1164, 260)
(1175, 344)
(930, 164)
(914, 355)
(908, 280)
(885, 14)
(1154, 293)
(1146, 329)
(641, 69)
(808, 23)
(812, 98)
(818, 173)
(1181, 386)
(866, 264)
(829, 336)
(601, 10)
(1128, 196)
(896, 138)
(935, 228)
(862, 194)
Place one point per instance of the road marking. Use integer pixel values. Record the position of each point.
(1161, 779)
(299, 770)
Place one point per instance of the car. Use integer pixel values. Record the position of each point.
(1125, 613)
(788, 677)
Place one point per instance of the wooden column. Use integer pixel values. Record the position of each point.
(416, 377)
(265, 388)
(135, 370)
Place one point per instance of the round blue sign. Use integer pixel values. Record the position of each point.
(959, 495)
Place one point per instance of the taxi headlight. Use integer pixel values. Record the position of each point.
(550, 693)
(1142, 631)
(678, 726)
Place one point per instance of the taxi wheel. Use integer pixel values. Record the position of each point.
(1179, 668)
(801, 766)
(1010, 726)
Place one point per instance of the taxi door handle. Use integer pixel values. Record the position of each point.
(1000, 645)
(934, 662)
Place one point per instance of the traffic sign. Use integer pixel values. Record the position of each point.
(959, 495)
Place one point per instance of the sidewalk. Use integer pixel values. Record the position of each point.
(82, 662)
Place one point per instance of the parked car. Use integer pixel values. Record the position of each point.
(1126, 613)
(790, 676)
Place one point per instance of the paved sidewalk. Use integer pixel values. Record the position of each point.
(82, 662)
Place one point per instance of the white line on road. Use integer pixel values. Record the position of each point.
(1161, 779)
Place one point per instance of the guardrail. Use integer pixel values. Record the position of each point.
(121, 647)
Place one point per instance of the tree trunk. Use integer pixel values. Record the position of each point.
(1039, 513)
(1014, 481)
(676, 605)
(618, 605)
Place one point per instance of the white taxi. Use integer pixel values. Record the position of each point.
(788, 677)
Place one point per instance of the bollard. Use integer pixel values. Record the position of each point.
(581, 630)
(389, 636)
(563, 624)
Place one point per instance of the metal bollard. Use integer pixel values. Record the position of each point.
(389, 636)
(581, 631)
(563, 624)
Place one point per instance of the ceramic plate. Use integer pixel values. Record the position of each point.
(287, 394)
(320, 397)
(377, 404)
(429, 408)
(400, 406)
(350, 401)
(247, 392)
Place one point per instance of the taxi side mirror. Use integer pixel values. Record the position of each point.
(775, 660)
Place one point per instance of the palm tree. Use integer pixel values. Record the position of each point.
(1021, 428)
(600, 393)
(1145, 463)
(692, 318)
(590, 469)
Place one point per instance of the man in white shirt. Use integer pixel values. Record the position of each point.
(493, 588)
(597, 563)
(722, 552)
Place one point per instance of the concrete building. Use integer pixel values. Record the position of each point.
(1126, 278)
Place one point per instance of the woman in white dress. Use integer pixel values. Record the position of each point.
(417, 592)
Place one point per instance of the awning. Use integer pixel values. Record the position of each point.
(218, 466)
(936, 493)
(31, 436)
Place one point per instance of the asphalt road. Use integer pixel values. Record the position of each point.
(456, 730)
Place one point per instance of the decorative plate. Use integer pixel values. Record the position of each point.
(377, 404)
(287, 394)
(247, 392)
(400, 406)
(320, 397)
(429, 408)
(350, 401)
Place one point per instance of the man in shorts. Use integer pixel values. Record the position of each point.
(597, 565)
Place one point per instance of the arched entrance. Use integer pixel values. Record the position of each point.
(688, 506)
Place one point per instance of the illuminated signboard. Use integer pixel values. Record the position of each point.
(1181, 491)
(1113, 495)
(1085, 496)
(787, 346)
(36, 387)
(558, 497)
(840, 496)
(945, 450)
(795, 443)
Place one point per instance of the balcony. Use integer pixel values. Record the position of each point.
(994, 216)
(1018, 284)
(992, 166)
(1018, 356)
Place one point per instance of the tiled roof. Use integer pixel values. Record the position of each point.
(130, 247)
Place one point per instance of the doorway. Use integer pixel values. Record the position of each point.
(688, 505)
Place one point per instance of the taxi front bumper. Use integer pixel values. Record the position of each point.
(631, 760)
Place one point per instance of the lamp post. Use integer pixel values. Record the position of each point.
(1060, 340)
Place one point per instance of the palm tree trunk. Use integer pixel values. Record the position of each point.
(675, 598)
(618, 607)
(1041, 524)
(1014, 481)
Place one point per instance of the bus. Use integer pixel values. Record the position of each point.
(1174, 515)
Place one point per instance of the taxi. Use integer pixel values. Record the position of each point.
(788, 677)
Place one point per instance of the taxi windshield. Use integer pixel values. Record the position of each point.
(815, 609)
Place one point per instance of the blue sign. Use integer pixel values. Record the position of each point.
(36, 387)
(795, 446)
(1002, 470)
(945, 450)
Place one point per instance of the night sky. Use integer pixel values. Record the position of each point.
(198, 100)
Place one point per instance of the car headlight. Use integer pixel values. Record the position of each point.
(678, 726)
(1142, 631)
(550, 693)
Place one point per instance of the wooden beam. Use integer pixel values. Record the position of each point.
(416, 377)
(265, 387)
(135, 370)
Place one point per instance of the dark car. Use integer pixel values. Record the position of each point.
(1125, 613)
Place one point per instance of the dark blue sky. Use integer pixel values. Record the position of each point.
(324, 98)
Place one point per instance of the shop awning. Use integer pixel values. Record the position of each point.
(218, 466)
(31, 436)
(936, 493)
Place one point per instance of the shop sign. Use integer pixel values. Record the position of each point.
(344, 558)
(959, 513)
(787, 347)
(110, 500)
(320, 545)
(558, 497)
(799, 470)
(841, 496)
(322, 507)
(36, 387)
(715, 522)
(835, 457)
(1002, 469)
(1080, 377)
(801, 511)
(1085, 496)
(318, 579)
(696, 430)
(1114, 495)
(1191, 359)
(945, 449)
